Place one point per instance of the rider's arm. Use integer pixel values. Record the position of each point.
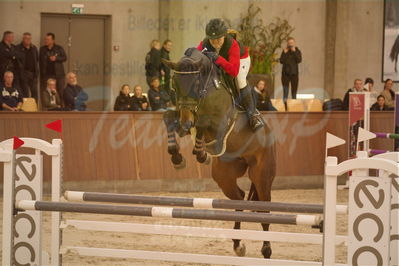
(232, 65)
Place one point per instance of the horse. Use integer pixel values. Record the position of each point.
(206, 107)
(395, 52)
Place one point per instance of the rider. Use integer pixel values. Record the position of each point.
(233, 58)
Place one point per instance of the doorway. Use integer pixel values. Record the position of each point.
(86, 40)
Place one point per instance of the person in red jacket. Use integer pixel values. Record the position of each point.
(233, 58)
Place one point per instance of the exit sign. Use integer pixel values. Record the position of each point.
(77, 8)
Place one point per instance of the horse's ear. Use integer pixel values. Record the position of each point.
(170, 64)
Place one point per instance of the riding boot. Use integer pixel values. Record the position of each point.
(247, 100)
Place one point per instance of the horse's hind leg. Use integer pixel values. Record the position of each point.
(171, 121)
(225, 174)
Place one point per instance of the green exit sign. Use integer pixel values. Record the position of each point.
(77, 8)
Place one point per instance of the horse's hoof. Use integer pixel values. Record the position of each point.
(208, 160)
(181, 165)
(266, 250)
(240, 250)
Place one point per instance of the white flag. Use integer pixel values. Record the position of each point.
(363, 135)
(333, 141)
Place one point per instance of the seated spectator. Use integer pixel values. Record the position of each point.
(123, 102)
(389, 94)
(11, 97)
(356, 88)
(262, 101)
(379, 105)
(159, 98)
(369, 86)
(51, 99)
(71, 93)
(140, 102)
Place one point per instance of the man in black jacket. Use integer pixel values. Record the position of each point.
(52, 58)
(28, 58)
(290, 58)
(8, 57)
(165, 70)
(153, 62)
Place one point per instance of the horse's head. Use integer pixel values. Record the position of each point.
(193, 75)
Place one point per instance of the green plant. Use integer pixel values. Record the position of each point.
(262, 40)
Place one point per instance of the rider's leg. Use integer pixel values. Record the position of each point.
(246, 97)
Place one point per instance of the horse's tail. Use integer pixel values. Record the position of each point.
(394, 50)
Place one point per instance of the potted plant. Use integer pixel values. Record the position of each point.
(263, 42)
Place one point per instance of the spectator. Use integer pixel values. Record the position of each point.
(140, 102)
(52, 57)
(11, 97)
(389, 94)
(159, 98)
(290, 58)
(165, 70)
(262, 101)
(153, 61)
(380, 104)
(74, 94)
(123, 102)
(28, 57)
(8, 57)
(51, 99)
(369, 86)
(358, 87)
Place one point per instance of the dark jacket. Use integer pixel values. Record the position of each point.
(166, 69)
(262, 102)
(290, 61)
(47, 100)
(10, 96)
(123, 103)
(70, 94)
(376, 107)
(8, 60)
(158, 99)
(44, 56)
(345, 105)
(153, 63)
(21, 51)
(138, 103)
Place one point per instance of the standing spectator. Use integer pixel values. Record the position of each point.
(153, 61)
(389, 94)
(290, 58)
(52, 57)
(369, 86)
(159, 98)
(165, 70)
(28, 57)
(379, 105)
(11, 97)
(74, 96)
(262, 101)
(51, 99)
(358, 87)
(8, 57)
(140, 102)
(123, 102)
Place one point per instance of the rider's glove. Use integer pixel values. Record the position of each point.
(212, 55)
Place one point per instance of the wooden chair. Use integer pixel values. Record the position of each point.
(278, 104)
(29, 105)
(295, 105)
(314, 105)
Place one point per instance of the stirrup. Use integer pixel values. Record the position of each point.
(256, 122)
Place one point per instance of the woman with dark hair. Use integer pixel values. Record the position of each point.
(261, 99)
(123, 102)
(380, 104)
(369, 86)
(389, 94)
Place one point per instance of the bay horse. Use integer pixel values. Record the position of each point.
(222, 132)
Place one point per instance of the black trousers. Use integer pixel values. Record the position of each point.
(29, 85)
(286, 80)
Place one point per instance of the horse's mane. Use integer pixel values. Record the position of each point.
(192, 59)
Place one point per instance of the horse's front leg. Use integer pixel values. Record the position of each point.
(172, 124)
(199, 148)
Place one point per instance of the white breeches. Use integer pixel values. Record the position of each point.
(245, 64)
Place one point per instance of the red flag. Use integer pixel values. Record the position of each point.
(17, 143)
(56, 126)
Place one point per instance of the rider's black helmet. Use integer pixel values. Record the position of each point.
(215, 28)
